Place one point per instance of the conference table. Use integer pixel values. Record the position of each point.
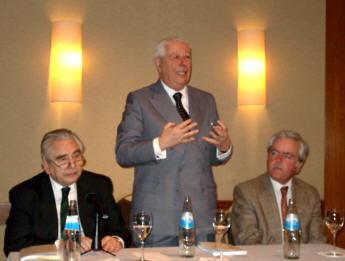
(309, 252)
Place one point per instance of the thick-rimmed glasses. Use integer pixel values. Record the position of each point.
(66, 161)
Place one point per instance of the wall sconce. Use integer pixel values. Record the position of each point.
(66, 62)
(251, 67)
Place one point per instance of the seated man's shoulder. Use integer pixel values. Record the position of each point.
(249, 184)
(95, 177)
(306, 187)
(31, 184)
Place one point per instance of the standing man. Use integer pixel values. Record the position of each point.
(260, 204)
(39, 204)
(172, 143)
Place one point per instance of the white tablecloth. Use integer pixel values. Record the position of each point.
(309, 252)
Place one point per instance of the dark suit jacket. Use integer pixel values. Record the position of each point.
(255, 214)
(161, 185)
(33, 217)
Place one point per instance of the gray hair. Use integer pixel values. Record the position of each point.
(58, 134)
(161, 46)
(303, 148)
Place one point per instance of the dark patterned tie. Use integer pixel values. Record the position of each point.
(283, 203)
(64, 207)
(184, 115)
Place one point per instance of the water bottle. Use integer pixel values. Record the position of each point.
(71, 234)
(292, 233)
(187, 230)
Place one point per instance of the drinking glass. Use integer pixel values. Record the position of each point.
(221, 224)
(142, 225)
(334, 220)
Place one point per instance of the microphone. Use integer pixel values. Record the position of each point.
(92, 199)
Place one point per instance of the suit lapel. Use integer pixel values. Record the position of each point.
(47, 207)
(194, 106)
(269, 204)
(86, 212)
(298, 195)
(163, 104)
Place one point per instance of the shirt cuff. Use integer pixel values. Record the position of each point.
(120, 240)
(159, 154)
(224, 155)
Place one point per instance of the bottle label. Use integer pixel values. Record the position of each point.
(291, 222)
(187, 220)
(72, 223)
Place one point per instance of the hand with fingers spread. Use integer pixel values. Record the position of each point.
(219, 137)
(174, 134)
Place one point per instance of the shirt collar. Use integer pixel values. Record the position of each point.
(170, 91)
(277, 186)
(57, 188)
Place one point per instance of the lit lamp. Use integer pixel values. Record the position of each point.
(66, 62)
(251, 67)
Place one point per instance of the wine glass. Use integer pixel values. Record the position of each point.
(334, 220)
(221, 224)
(142, 225)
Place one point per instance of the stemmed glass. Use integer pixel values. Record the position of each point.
(221, 224)
(334, 220)
(142, 225)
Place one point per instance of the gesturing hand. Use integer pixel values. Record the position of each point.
(219, 137)
(173, 134)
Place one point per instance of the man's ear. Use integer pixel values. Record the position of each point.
(45, 166)
(157, 62)
(299, 166)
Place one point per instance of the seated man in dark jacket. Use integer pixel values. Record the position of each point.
(37, 214)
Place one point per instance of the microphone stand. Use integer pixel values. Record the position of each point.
(96, 239)
(100, 215)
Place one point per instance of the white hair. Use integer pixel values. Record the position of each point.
(160, 49)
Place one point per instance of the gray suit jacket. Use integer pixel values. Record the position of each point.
(161, 185)
(255, 214)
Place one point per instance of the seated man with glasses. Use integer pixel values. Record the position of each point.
(39, 205)
(260, 204)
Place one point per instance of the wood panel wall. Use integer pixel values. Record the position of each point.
(335, 109)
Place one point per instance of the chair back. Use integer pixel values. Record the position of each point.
(5, 208)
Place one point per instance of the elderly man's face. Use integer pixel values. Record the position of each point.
(282, 161)
(175, 67)
(65, 163)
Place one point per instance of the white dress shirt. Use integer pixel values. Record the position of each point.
(72, 195)
(276, 187)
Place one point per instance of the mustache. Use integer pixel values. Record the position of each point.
(277, 166)
(71, 171)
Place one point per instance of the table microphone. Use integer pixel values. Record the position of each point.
(92, 199)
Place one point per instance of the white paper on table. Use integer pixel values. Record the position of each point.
(40, 257)
(227, 249)
(328, 256)
(153, 256)
(212, 259)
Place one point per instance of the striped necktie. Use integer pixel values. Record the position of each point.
(184, 115)
(283, 203)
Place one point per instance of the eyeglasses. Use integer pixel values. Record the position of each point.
(275, 154)
(66, 161)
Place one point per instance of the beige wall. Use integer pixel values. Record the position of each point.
(118, 41)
